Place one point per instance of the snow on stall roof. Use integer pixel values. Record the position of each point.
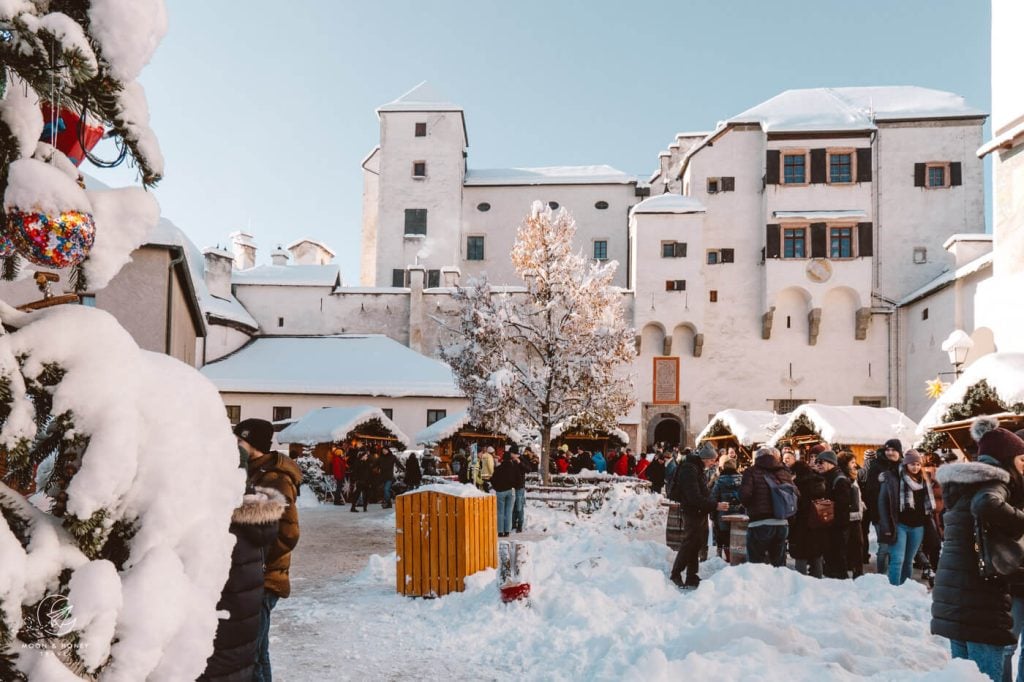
(449, 426)
(669, 203)
(329, 424)
(562, 427)
(1004, 372)
(166, 233)
(423, 97)
(820, 215)
(333, 365)
(750, 427)
(857, 108)
(328, 275)
(552, 175)
(314, 242)
(851, 424)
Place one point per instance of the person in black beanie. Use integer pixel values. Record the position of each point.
(887, 460)
(975, 614)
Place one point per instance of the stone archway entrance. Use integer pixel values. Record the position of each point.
(669, 430)
(664, 423)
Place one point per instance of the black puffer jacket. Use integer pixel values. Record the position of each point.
(254, 525)
(386, 466)
(508, 476)
(965, 607)
(754, 491)
(690, 488)
(873, 485)
(806, 542)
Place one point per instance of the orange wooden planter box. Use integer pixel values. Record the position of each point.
(440, 539)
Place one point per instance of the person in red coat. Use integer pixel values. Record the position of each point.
(622, 465)
(339, 467)
(641, 468)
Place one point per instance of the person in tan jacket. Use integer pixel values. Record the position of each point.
(486, 469)
(276, 471)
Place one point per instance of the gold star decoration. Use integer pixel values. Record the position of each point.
(935, 387)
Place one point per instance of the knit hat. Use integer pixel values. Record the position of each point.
(996, 442)
(490, 449)
(894, 444)
(912, 457)
(707, 451)
(818, 449)
(828, 456)
(256, 432)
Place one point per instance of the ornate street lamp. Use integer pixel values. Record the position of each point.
(957, 346)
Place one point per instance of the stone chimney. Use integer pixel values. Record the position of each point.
(450, 276)
(279, 256)
(217, 271)
(244, 248)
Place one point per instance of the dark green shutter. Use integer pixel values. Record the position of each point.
(819, 240)
(772, 243)
(728, 255)
(864, 164)
(956, 174)
(865, 236)
(818, 165)
(680, 250)
(919, 171)
(771, 166)
(728, 184)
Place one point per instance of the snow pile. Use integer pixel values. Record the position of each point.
(36, 186)
(20, 112)
(622, 508)
(123, 219)
(158, 466)
(602, 607)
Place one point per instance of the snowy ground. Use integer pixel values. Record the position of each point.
(601, 608)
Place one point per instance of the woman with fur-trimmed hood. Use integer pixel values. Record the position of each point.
(254, 525)
(973, 613)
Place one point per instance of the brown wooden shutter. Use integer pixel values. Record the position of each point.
(818, 157)
(865, 236)
(772, 242)
(670, 285)
(956, 175)
(919, 174)
(728, 184)
(680, 250)
(771, 166)
(819, 240)
(864, 164)
(728, 255)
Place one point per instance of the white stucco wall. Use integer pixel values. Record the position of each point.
(1007, 95)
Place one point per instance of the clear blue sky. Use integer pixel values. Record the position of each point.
(264, 109)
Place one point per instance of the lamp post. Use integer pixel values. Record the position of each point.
(957, 345)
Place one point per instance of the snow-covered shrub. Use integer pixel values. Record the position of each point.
(315, 478)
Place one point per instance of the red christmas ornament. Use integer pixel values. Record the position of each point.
(68, 140)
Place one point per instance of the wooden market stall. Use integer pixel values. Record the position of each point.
(856, 428)
(455, 432)
(591, 440)
(992, 385)
(745, 430)
(349, 427)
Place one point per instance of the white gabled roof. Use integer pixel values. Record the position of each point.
(750, 427)
(1004, 373)
(551, 175)
(423, 97)
(330, 424)
(669, 203)
(834, 109)
(314, 242)
(328, 275)
(332, 365)
(563, 427)
(850, 424)
(445, 428)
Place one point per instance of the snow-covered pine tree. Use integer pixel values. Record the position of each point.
(314, 476)
(558, 352)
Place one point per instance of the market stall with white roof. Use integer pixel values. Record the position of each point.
(349, 427)
(744, 430)
(856, 428)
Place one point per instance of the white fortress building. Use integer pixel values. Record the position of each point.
(817, 247)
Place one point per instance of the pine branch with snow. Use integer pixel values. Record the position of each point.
(557, 352)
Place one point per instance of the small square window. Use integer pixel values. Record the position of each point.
(600, 249)
(794, 242)
(712, 257)
(712, 185)
(841, 242)
(840, 167)
(474, 248)
(936, 176)
(794, 168)
(415, 221)
(388, 412)
(234, 413)
(713, 295)
(421, 130)
(433, 279)
(282, 413)
(398, 278)
(435, 416)
(419, 169)
(673, 249)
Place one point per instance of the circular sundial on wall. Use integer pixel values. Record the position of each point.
(819, 270)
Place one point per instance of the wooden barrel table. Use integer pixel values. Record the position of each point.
(737, 538)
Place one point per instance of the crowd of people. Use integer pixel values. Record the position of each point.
(961, 523)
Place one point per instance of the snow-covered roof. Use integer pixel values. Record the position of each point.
(314, 242)
(552, 175)
(948, 277)
(750, 427)
(669, 203)
(329, 424)
(834, 109)
(1004, 373)
(240, 237)
(821, 215)
(967, 237)
(214, 308)
(218, 251)
(328, 275)
(423, 97)
(1007, 140)
(446, 428)
(850, 424)
(332, 365)
(562, 427)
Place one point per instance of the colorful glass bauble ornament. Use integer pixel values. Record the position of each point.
(67, 131)
(7, 248)
(52, 240)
